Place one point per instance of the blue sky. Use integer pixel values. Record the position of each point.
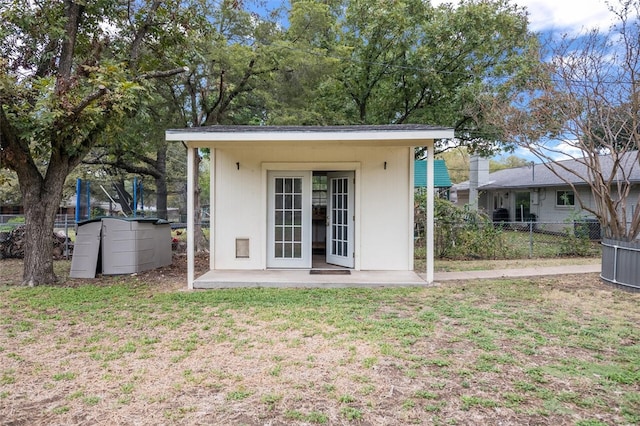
(554, 18)
(557, 17)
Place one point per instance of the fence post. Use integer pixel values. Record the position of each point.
(530, 239)
(66, 236)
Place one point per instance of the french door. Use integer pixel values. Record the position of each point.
(289, 219)
(340, 218)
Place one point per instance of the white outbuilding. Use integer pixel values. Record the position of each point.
(310, 199)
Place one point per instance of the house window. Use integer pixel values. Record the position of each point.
(565, 199)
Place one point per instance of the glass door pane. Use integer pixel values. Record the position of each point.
(340, 227)
(288, 218)
(339, 214)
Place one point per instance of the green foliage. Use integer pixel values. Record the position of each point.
(66, 79)
(578, 236)
(462, 233)
(509, 162)
(351, 413)
(238, 395)
(312, 417)
(8, 377)
(457, 160)
(410, 62)
(470, 401)
(591, 422)
(577, 241)
(9, 188)
(69, 375)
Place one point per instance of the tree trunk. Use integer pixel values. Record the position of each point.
(41, 200)
(161, 182)
(161, 197)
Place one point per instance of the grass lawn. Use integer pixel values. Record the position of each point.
(553, 350)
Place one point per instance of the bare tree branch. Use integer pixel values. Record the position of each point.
(163, 74)
(141, 32)
(73, 14)
(88, 99)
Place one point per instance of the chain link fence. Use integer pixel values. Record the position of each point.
(479, 239)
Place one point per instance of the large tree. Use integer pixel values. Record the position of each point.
(588, 109)
(409, 62)
(69, 69)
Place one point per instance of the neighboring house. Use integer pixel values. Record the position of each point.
(536, 193)
(441, 179)
(302, 197)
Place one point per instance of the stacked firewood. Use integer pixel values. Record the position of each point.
(12, 244)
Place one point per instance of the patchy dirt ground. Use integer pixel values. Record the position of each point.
(172, 277)
(528, 352)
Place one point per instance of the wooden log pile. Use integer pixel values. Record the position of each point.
(12, 244)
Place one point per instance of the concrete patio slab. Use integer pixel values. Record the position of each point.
(288, 278)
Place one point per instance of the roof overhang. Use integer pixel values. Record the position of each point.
(408, 135)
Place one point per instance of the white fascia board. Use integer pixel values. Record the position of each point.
(301, 136)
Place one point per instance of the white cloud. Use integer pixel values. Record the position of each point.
(565, 151)
(562, 16)
(566, 16)
(557, 151)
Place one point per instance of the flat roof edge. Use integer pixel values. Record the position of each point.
(302, 134)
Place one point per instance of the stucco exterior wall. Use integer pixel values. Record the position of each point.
(383, 217)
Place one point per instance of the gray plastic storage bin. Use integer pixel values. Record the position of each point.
(126, 246)
(86, 249)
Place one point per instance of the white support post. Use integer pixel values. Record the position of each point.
(212, 206)
(429, 231)
(191, 153)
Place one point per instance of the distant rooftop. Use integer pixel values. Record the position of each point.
(541, 175)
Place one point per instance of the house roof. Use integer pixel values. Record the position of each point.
(397, 132)
(541, 175)
(441, 177)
